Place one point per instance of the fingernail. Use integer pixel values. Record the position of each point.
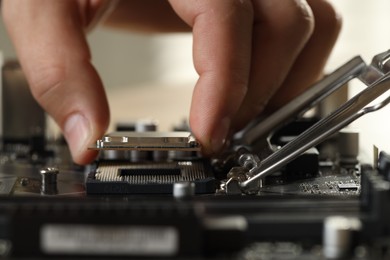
(219, 135)
(76, 131)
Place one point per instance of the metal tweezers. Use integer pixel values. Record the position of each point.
(375, 76)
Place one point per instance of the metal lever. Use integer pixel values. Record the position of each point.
(376, 76)
(307, 100)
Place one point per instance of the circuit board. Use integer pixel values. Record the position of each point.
(152, 194)
(63, 209)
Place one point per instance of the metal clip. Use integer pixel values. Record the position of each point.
(375, 76)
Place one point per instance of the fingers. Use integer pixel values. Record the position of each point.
(146, 15)
(281, 30)
(243, 51)
(222, 31)
(309, 65)
(49, 39)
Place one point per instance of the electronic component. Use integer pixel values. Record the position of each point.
(22, 118)
(135, 202)
(148, 141)
(348, 186)
(149, 174)
(119, 177)
(184, 189)
(348, 147)
(375, 76)
(339, 236)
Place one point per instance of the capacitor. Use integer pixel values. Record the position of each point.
(114, 155)
(348, 147)
(145, 125)
(125, 126)
(338, 236)
(49, 181)
(20, 114)
(384, 165)
(182, 190)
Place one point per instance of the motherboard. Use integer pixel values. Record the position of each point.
(284, 189)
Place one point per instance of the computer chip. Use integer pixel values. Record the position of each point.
(148, 141)
(348, 186)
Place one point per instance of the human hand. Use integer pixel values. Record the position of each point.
(50, 42)
(253, 56)
(248, 54)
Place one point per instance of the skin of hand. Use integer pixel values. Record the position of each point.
(251, 56)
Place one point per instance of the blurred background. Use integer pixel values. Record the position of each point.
(152, 76)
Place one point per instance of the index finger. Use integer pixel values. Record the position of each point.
(222, 32)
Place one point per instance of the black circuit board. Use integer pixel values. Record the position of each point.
(20, 175)
(328, 181)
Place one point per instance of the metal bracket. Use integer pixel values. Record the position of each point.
(375, 76)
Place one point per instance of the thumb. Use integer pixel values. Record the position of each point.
(50, 42)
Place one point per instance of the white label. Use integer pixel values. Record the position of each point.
(109, 240)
